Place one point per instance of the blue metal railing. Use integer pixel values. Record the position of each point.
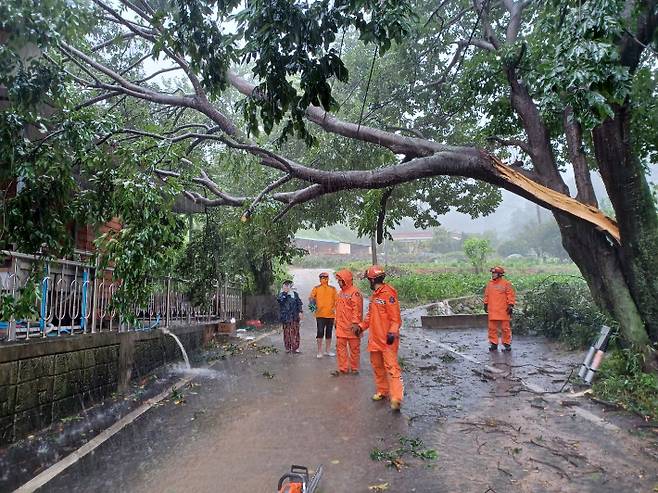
(76, 298)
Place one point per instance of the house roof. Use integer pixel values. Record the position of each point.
(412, 235)
(333, 242)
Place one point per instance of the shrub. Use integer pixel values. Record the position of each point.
(561, 311)
(621, 380)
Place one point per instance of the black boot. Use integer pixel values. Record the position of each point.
(508, 347)
(493, 347)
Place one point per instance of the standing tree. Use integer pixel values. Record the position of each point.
(561, 83)
(477, 250)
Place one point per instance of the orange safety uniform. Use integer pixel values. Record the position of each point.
(498, 295)
(383, 317)
(349, 310)
(325, 300)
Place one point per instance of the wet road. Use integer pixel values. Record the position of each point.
(242, 430)
(239, 427)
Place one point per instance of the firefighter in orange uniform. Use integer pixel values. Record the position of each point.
(499, 300)
(349, 313)
(384, 322)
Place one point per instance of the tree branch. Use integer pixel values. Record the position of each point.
(265, 191)
(482, 9)
(521, 144)
(574, 136)
(633, 45)
(413, 131)
(398, 144)
(97, 99)
(455, 59)
(480, 43)
(382, 214)
(515, 10)
(120, 37)
(158, 72)
(471, 163)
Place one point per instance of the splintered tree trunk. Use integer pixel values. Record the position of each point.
(373, 248)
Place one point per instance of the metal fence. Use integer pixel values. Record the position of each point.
(74, 297)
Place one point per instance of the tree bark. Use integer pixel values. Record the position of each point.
(629, 192)
(263, 275)
(373, 248)
(599, 263)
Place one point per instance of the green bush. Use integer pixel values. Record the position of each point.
(621, 380)
(561, 310)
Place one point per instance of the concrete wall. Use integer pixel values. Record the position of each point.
(455, 322)
(43, 381)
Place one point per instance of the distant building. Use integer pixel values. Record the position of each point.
(330, 247)
(411, 236)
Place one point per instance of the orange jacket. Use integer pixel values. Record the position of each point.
(498, 294)
(383, 317)
(325, 299)
(349, 306)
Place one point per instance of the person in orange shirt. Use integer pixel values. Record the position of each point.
(349, 313)
(499, 300)
(323, 301)
(384, 322)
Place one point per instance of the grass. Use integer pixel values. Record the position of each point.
(622, 381)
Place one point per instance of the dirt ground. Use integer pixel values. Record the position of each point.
(471, 422)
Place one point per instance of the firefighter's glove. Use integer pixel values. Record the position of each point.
(486, 308)
(390, 338)
(356, 330)
(510, 310)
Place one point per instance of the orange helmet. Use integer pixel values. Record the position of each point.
(497, 270)
(374, 271)
(324, 274)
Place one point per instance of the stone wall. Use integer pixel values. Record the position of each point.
(46, 380)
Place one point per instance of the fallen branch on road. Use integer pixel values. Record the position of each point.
(557, 468)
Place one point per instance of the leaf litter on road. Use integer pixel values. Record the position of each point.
(412, 447)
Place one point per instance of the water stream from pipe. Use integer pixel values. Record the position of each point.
(180, 345)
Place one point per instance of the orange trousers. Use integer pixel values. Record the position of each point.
(388, 376)
(505, 328)
(348, 353)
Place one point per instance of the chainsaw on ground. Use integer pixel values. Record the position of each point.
(298, 480)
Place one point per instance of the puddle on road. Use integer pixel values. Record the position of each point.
(208, 373)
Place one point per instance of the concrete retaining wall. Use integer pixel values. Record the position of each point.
(43, 381)
(455, 322)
